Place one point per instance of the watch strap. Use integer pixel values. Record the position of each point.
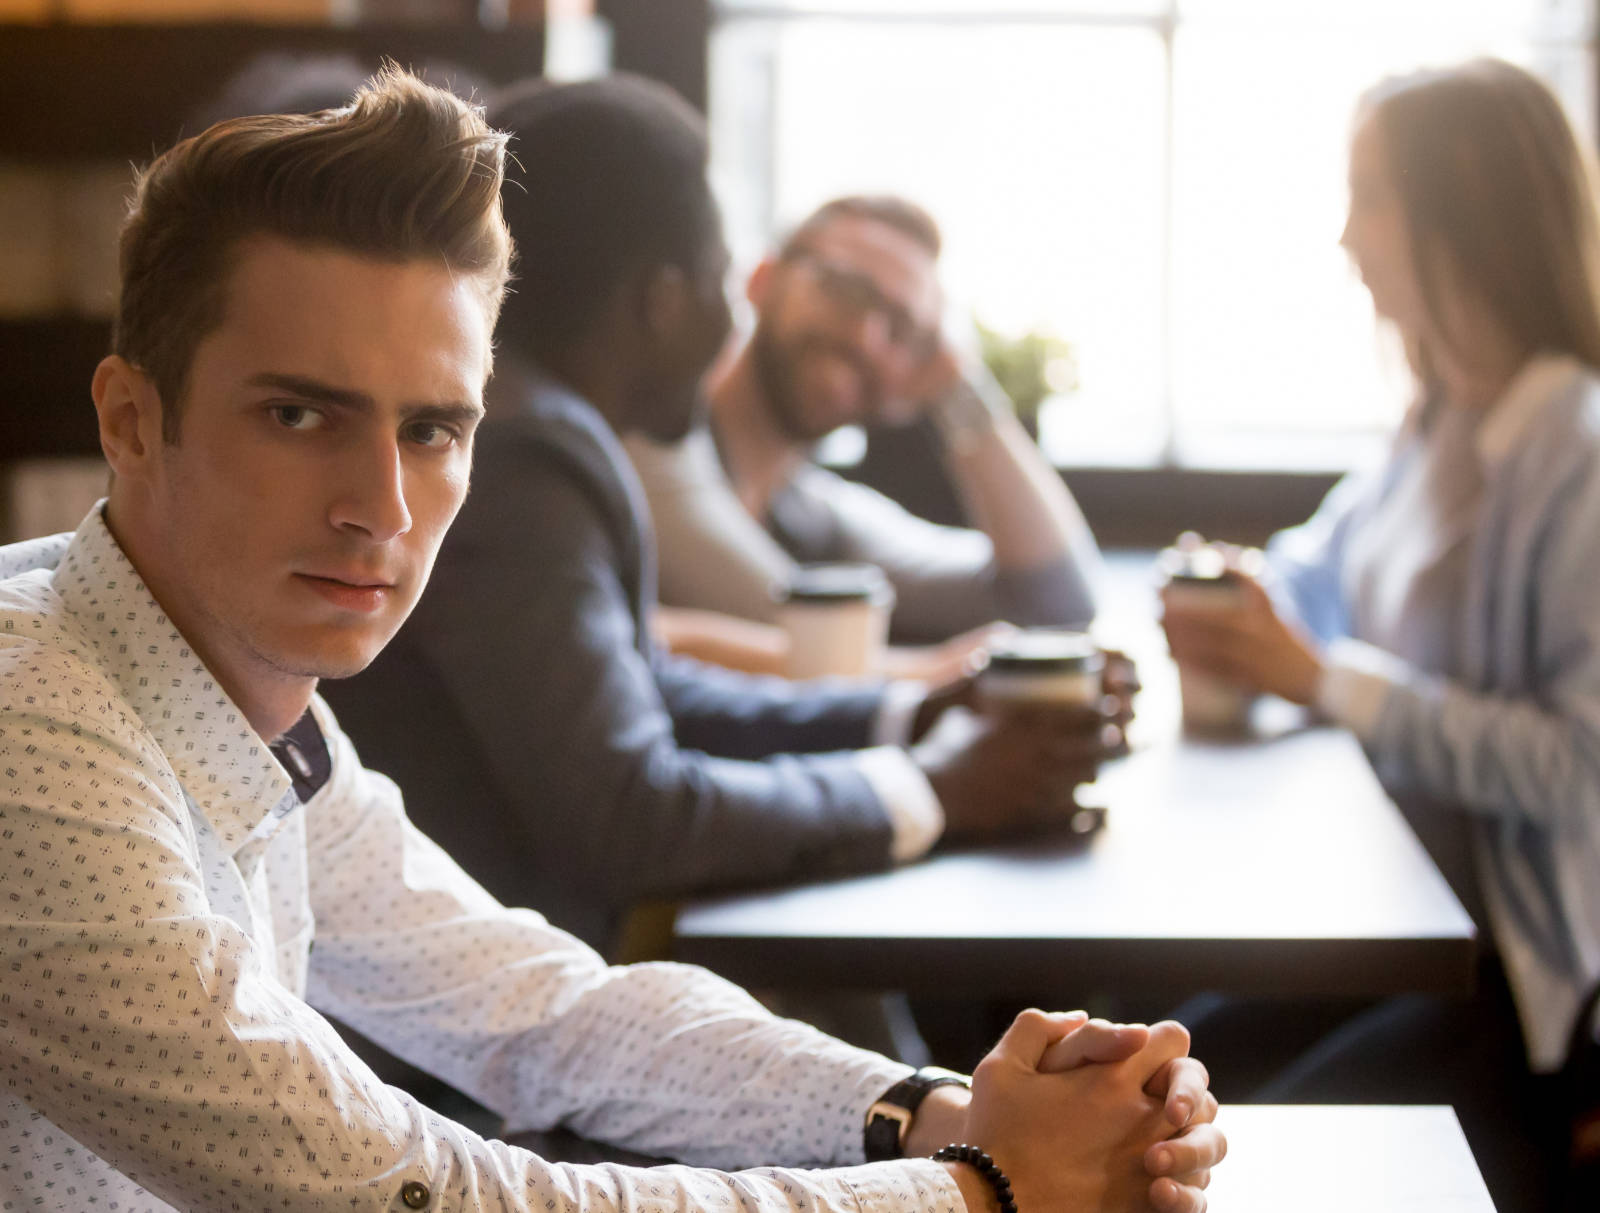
(889, 1118)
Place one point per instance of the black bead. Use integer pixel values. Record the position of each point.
(980, 1161)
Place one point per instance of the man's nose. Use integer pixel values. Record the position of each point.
(373, 497)
(871, 330)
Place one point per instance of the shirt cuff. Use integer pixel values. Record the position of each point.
(909, 1185)
(915, 818)
(1356, 680)
(898, 712)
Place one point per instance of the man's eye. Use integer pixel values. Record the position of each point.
(432, 435)
(296, 416)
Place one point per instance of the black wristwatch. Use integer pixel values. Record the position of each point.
(887, 1120)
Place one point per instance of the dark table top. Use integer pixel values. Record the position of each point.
(1273, 864)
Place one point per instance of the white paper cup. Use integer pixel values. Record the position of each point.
(1198, 581)
(837, 620)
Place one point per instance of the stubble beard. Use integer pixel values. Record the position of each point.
(775, 364)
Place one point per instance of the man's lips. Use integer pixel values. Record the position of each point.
(351, 591)
(840, 381)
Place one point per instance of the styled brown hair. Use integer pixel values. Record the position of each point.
(1499, 199)
(405, 171)
(890, 210)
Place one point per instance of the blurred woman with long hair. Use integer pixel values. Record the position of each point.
(1447, 607)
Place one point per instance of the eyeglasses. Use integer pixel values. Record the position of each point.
(858, 293)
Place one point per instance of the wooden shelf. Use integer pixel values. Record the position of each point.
(77, 92)
(45, 407)
(80, 93)
(72, 94)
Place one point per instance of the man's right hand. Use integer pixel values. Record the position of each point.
(1076, 1141)
(1000, 772)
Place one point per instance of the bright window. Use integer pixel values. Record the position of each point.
(1161, 184)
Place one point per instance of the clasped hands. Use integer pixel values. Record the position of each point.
(1083, 1116)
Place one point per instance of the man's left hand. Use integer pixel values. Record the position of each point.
(1180, 1165)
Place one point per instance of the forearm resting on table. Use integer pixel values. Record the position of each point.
(761, 648)
(941, 1120)
(718, 639)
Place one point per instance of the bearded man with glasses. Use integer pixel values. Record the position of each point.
(849, 332)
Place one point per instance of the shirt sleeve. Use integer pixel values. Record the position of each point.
(152, 1028)
(1356, 679)
(598, 790)
(1530, 755)
(945, 577)
(1306, 562)
(915, 814)
(713, 711)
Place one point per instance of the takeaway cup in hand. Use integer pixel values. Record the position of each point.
(1197, 579)
(1046, 670)
(836, 617)
(1043, 668)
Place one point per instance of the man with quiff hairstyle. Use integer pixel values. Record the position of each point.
(182, 815)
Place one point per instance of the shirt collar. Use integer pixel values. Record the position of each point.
(220, 761)
(1510, 420)
(302, 751)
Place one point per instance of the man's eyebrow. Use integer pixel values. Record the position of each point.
(457, 413)
(361, 402)
(312, 389)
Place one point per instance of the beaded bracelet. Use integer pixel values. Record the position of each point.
(985, 1166)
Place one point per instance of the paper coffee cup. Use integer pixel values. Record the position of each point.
(837, 620)
(1198, 580)
(1043, 667)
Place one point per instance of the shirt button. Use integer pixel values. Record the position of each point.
(414, 1195)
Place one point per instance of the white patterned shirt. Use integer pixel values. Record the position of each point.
(158, 1047)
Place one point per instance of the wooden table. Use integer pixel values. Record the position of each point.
(1381, 1160)
(1272, 865)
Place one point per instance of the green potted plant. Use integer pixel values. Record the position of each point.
(1030, 368)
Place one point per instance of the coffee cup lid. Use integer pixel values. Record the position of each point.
(1203, 564)
(1045, 652)
(837, 583)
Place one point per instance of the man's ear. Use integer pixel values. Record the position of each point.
(759, 284)
(129, 409)
(665, 304)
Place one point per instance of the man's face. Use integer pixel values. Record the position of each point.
(324, 449)
(846, 323)
(671, 398)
